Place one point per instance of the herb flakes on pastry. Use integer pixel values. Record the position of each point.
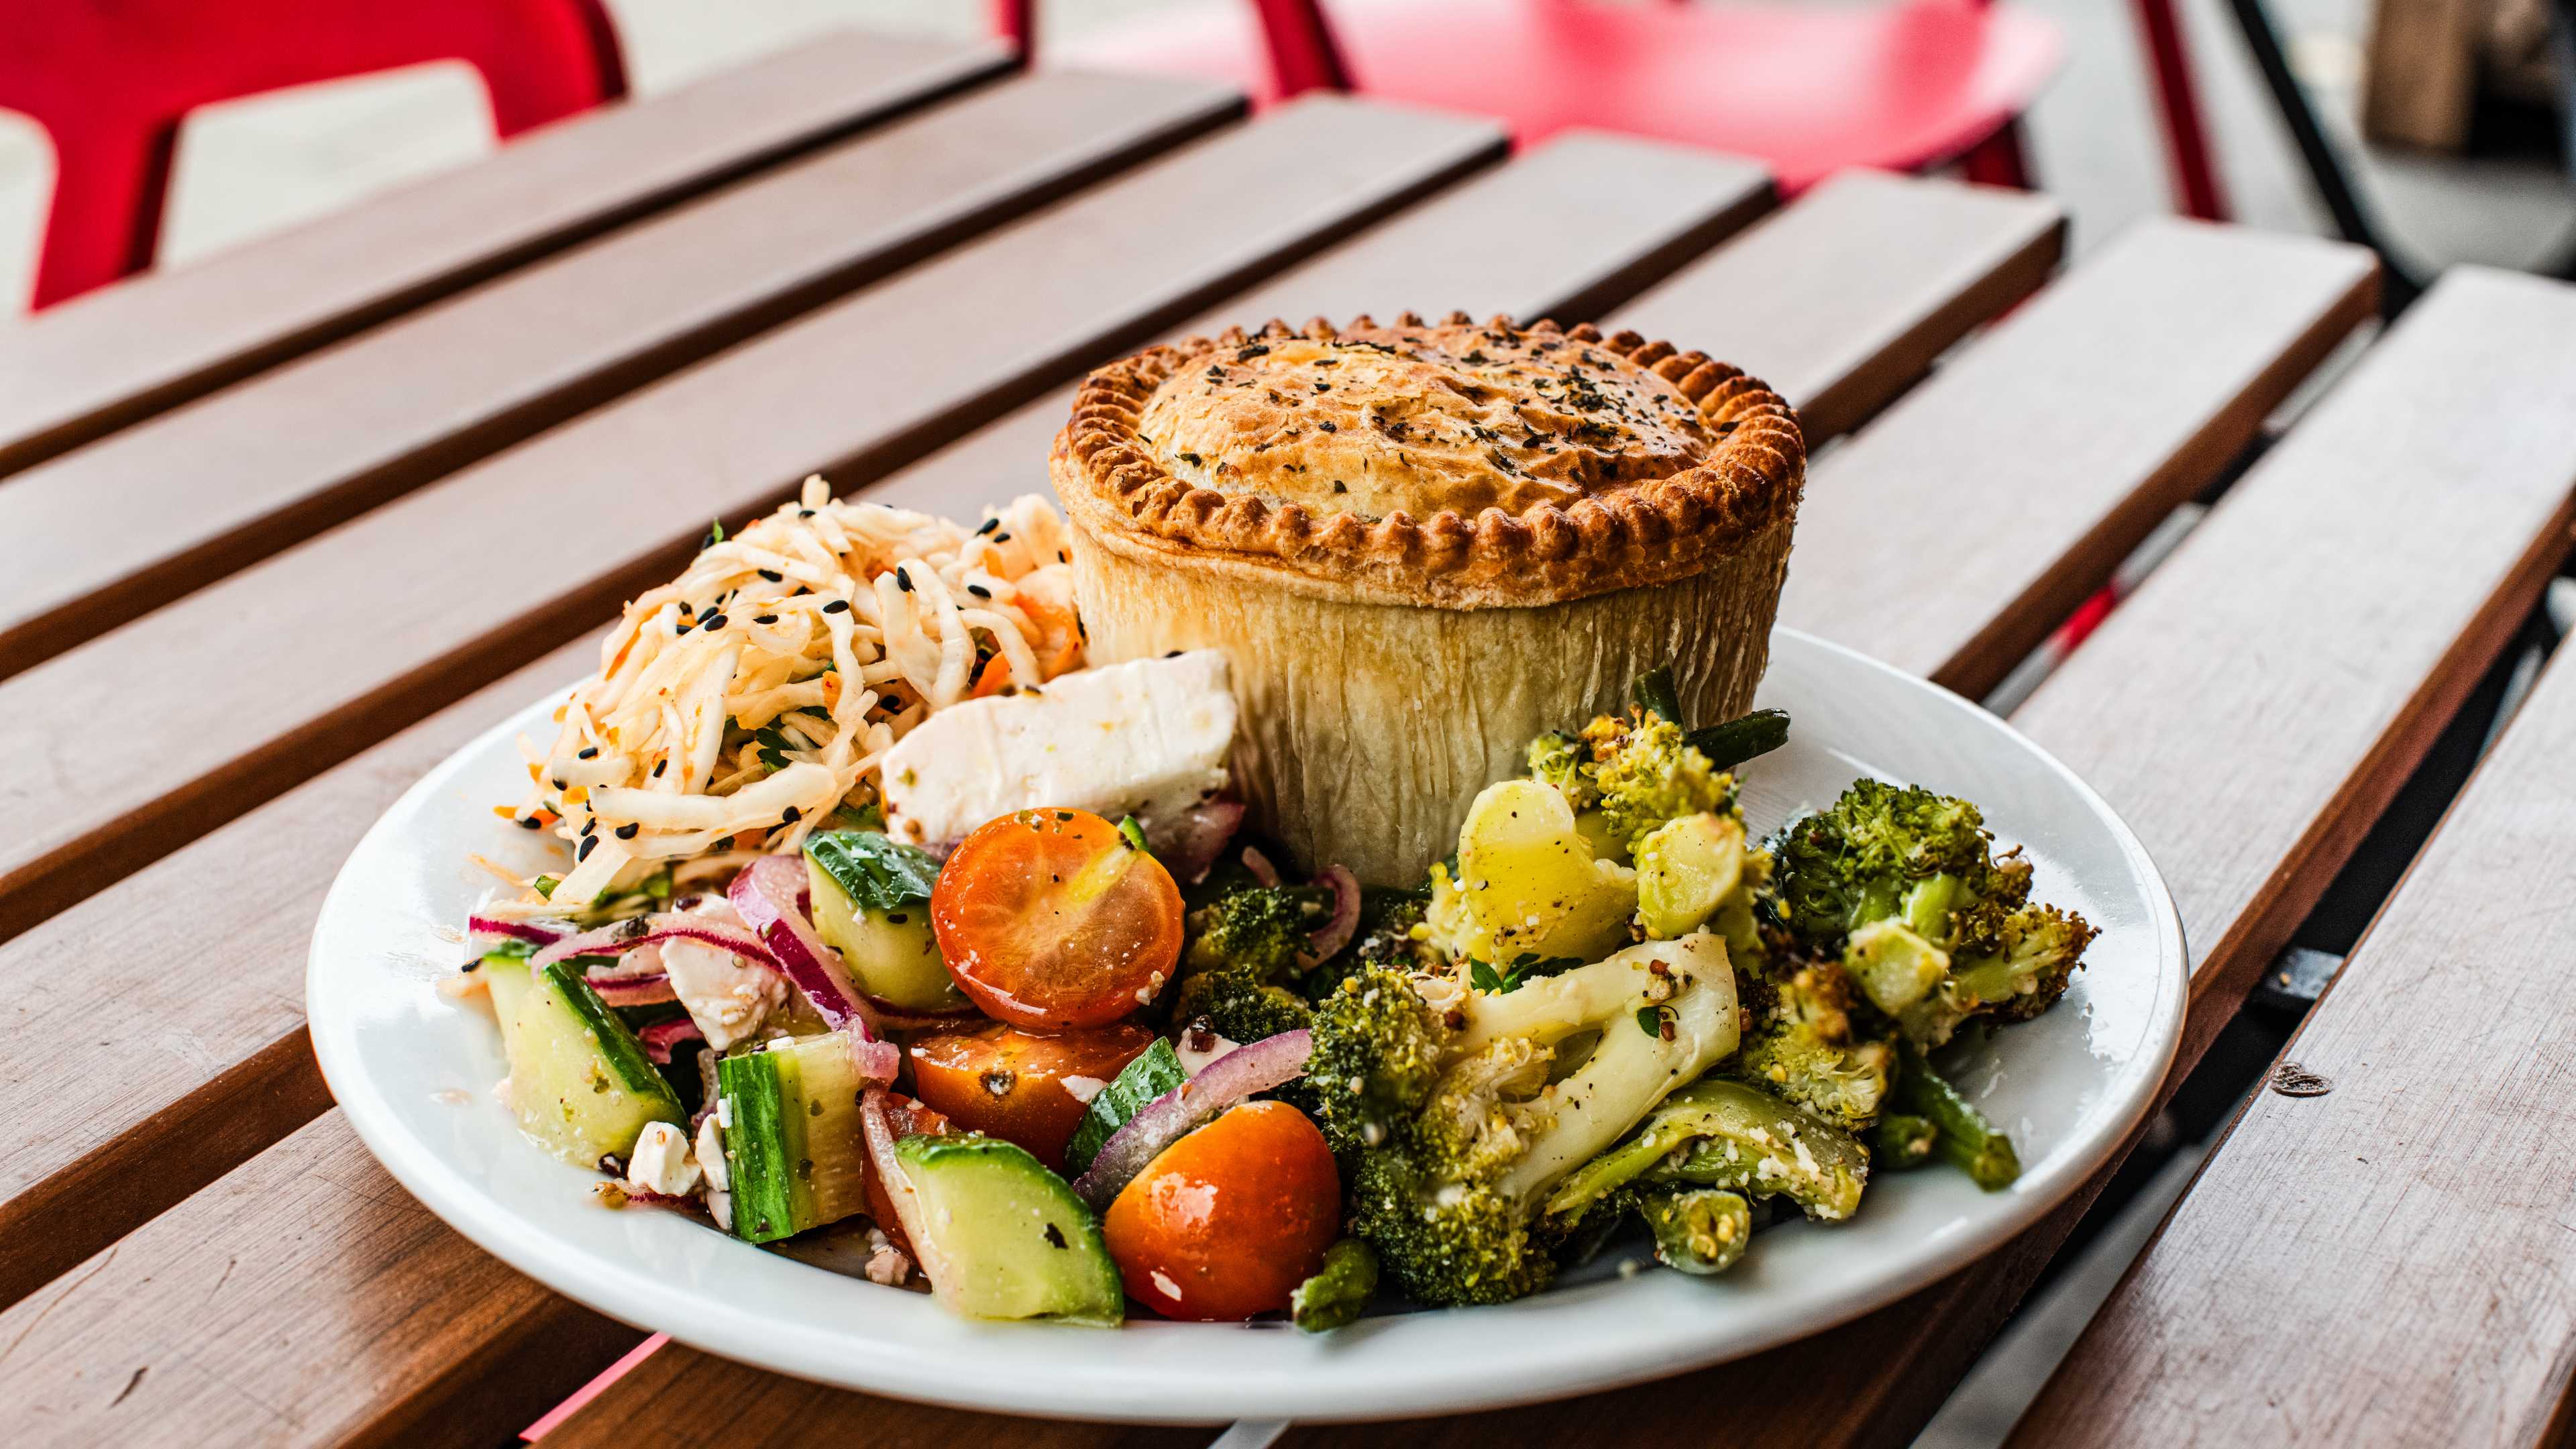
(1420, 545)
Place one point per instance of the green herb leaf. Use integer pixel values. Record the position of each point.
(512, 949)
(715, 533)
(1650, 1020)
(876, 872)
(546, 885)
(1133, 834)
(1482, 977)
(1149, 1076)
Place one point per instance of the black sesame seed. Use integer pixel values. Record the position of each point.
(1001, 538)
(587, 846)
(588, 752)
(529, 822)
(804, 512)
(773, 575)
(837, 606)
(903, 580)
(474, 965)
(660, 765)
(627, 830)
(989, 525)
(793, 815)
(1172, 654)
(979, 591)
(764, 618)
(714, 622)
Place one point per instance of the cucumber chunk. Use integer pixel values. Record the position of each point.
(1686, 868)
(1002, 1237)
(872, 904)
(795, 1151)
(1139, 1082)
(579, 1079)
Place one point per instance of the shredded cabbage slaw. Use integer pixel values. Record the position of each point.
(743, 705)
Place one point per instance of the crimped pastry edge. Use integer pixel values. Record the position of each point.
(1651, 532)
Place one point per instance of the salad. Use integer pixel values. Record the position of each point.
(888, 926)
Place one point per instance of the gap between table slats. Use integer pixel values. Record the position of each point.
(1872, 1382)
(262, 679)
(216, 486)
(2386, 1264)
(1786, 301)
(80, 370)
(113, 1140)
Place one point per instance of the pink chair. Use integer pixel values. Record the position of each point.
(110, 80)
(1810, 89)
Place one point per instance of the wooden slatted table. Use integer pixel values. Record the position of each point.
(484, 412)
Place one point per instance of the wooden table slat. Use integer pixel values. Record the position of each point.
(1588, 216)
(261, 680)
(1875, 1381)
(304, 1299)
(75, 371)
(215, 1066)
(212, 487)
(2019, 475)
(1841, 301)
(2386, 1264)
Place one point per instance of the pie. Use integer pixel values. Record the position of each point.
(1421, 545)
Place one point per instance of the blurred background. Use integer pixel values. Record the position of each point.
(2493, 190)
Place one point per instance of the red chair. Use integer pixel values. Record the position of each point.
(110, 80)
(1810, 88)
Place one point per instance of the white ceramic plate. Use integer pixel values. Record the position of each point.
(414, 1074)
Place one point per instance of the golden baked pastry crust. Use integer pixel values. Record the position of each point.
(1454, 465)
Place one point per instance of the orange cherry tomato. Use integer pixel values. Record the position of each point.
(1049, 919)
(907, 1118)
(1226, 1222)
(1015, 1085)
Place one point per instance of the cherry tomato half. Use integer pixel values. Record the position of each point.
(1050, 919)
(1016, 1085)
(1226, 1222)
(907, 1118)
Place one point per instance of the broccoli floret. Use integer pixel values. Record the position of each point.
(1438, 1102)
(1903, 887)
(1238, 1006)
(1243, 951)
(1638, 773)
(1801, 1046)
(1565, 762)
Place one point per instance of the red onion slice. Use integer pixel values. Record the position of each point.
(661, 1036)
(619, 937)
(645, 990)
(765, 895)
(1340, 924)
(1188, 843)
(541, 933)
(1259, 1066)
(1263, 873)
(880, 1132)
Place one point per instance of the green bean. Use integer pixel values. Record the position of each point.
(1340, 1290)
(1902, 1140)
(1738, 740)
(1965, 1139)
(1698, 1230)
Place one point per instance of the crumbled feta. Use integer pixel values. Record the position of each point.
(1146, 738)
(1196, 1048)
(1083, 1089)
(661, 1162)
(886, 1262)
(711, 1153)
(726, 996)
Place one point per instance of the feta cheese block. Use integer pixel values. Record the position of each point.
(1146, 738)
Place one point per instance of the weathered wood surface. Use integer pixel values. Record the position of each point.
(2073, 428)
(75, 371)
(2386, 1264)
(213, 487)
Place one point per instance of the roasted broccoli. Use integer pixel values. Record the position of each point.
(1800, 1044)
(1718, 1133)
(1902, 886)
(1438, 1101)
(1244, 948)
(1340, 1290)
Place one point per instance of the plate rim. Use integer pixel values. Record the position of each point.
(917, 1376)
